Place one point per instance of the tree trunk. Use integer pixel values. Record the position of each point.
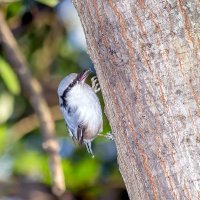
(147, 57)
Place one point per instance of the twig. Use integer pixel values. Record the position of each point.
(35, 96)
(29, 123)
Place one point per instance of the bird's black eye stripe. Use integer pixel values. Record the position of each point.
(64, 102)
(71, 85)
(63, 96)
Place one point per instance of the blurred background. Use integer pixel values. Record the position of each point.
(50, 36)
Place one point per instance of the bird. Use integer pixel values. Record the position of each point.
(81, 108)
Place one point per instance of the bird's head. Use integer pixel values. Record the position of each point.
(71, 80)
(82, 76)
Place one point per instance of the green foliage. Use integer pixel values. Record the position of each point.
(81, 174)
(6, 106)
(32, 164)
(9, 77)
(14, 9)
(3, 138)
(50, 3)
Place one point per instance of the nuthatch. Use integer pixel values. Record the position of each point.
(81, 108)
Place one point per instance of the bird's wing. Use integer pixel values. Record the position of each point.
(75, 126)
(80, 132)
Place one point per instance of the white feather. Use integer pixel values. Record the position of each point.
(85, 108)
(88, 107)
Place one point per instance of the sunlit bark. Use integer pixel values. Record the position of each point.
(147, 57)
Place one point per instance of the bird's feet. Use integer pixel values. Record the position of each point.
(89, 148)
(109, 135)
(95, 84)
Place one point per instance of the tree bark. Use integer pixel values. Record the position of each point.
(147, 58)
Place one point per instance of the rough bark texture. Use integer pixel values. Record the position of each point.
(147, 57)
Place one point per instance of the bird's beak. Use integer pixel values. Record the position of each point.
(83, 75)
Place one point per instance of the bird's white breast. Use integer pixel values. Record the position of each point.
(88, 106)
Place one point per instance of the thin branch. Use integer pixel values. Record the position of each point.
(30, 123)
(35, 96)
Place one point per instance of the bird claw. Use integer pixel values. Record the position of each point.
(89, 148)
(95, 84)
(109, 135)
